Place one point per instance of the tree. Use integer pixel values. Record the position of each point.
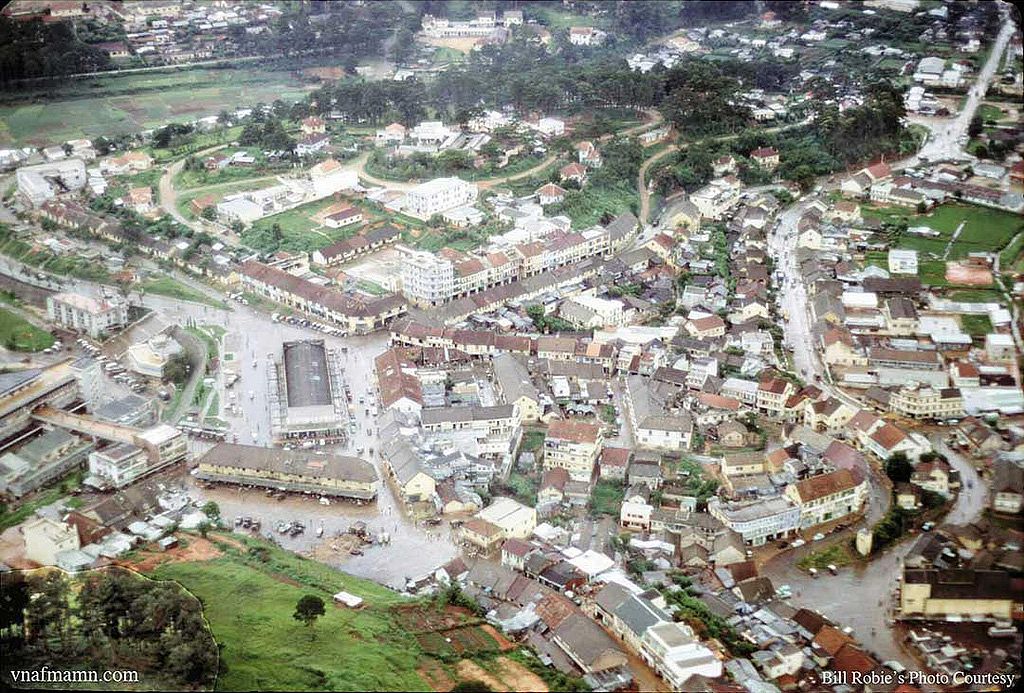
(898, 468)
(211, 510)
(178, 368)
(204, 528)
(308, 610)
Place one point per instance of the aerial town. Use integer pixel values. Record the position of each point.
(507, 345)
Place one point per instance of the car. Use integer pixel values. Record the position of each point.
(927, 526)
(798, 543)
(818, 537)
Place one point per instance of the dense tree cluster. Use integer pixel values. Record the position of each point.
(37, 49)
(109, 619)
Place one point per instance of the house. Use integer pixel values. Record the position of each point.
(311, 145)
(45, 538)
(573, 445)
(588, 155)
(551, 127)
(346, 216)
(585, 36)
(1008, 485)
(902, 261)
(515, 386)
(587, 645)
(614, 462)
(574, 171)
(672, 650)
(512, 518)
(392, 134)
(313, 125)
(765, 157)
(550, 194)
(827, 497)
(723, 166)
(141, 199)
(967, 593)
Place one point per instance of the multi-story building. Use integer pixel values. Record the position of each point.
(22, 392)
(827, 497)
(357, 313)
(43, 182)
(93, 316)
(922, 402)
(427, 279)
(153, 449)
(758, 521)
(293, 470)
(672, 650)
(438, 195)
(772, 394)
(490, 430)
(573, 445)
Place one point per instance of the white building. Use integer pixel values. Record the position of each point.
(92, 316)
(240, 209)
(45, 181)
(551, 127)
(591, 311)
(45, 538)
(328, 177)
(902, 261)
(153, 449)
(438, 195)
(515, 519)
(427, 279)
(758, 521)
(671, 649)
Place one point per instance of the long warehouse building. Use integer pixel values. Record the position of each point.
(289, 470)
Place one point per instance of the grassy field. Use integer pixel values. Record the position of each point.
(18, 334)
(299, 232)
(985, 229)
(976, 325)
(114, 105)
(9, 517)
(249, 604)
(837, 555)
(165, 286)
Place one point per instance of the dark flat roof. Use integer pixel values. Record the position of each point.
(305, 368)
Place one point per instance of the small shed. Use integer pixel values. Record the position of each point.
(349, 600)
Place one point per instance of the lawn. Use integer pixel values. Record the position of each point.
(115, 105)
(976, 296)
(985, 230)
(299, 232)
(165, 286)
(837, 555)
(18, 334)
(249, 604)
(976, 325)
(606, 498)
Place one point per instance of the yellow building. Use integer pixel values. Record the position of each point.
(963, 594)
(292, 470)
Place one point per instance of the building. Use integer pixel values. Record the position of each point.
(95, 317)
(329, 177)
(672, 650)
(902, 261)
(573, 445)
(550, 194)
(437, 196)
(307, 399)
(23, 391)
(513, 519)
(343, 217)
(312, 144)
(476, 430)
(551, 127)
(123, 463)
(428, 280)
(45, 538)
(922, 402)
(1008, 485)
(43, 182)
(149, 358)
(41, 461)
(772, 395)
(397, 383)
(591, 312)
(654, 428)
(765, 157)
(955, 595)
(515, 386)
(354, 312)
(827, 497)
(585, 36)
(758, 521)
(350, 248)
(290, 470)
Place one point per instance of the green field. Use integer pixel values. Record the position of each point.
(18, 334)
(976, 325)
(249, 604)
(299, 232)
(985, 230)
(115, 105)
(165, 286)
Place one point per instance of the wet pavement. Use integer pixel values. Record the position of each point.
(861, 596)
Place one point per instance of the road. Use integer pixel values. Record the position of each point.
(169, 196)
(944, 143)
(860, 596)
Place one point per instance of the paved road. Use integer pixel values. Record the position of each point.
(944, 142)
